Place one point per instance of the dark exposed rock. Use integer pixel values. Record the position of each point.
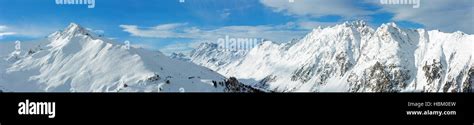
(214, 83)
(379, 78)
(343, 63)
(155, 77)
(303, 74)
(467, 85)
(433, 71)
(233, 85)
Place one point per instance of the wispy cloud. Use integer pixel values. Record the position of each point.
(314, 24)
(281, 33)
(31, 31)
(172, 30)
(448, 15)
(3, 28)
(96, 31)
(225, 13)
(317, 8)
(4, 32)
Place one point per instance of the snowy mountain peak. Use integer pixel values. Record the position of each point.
(353, 24)
(389, 27)
(74, 28)
(361, 23)
(208, 45)
(459, 33)
(75, 36)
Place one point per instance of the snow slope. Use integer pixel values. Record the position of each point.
(353, 57)
(76, 60)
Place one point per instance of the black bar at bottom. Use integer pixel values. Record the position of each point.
(278, 108)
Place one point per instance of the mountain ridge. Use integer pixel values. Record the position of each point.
(77, 60)
(353, 57)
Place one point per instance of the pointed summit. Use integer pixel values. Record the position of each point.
(359, 23)
(62, 38)
(73, 25)
(74, 28)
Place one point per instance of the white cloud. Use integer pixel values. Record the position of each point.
(3, 28)
(313, 24)
(317, 8)
(160, 31)
(225, 13)
(281, 33)
(26, 30)
(4, 32)
(447, 15)
(96, 31)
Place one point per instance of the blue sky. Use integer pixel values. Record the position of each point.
(169, 25)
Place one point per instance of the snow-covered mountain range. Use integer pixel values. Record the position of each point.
(349, 57)
(76, 60)
(352, 57)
